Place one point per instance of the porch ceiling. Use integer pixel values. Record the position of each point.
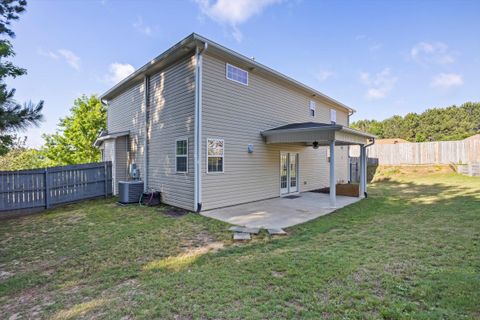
(322, 133)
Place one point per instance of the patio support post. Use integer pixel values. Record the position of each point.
(333, 191)
(362, 171)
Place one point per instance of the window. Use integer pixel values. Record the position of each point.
(236, 74)
(181, 155)
(215, 155)
(333, 116)
(312, 108)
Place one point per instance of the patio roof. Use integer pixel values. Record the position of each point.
(315, 132)
(107, 136)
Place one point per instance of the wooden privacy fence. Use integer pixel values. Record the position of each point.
(439, 152)
(31, 190)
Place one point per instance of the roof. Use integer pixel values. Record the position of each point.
(107, 136)
(317, 126)
(391, 141)
(188, 45)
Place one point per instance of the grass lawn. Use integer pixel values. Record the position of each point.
(411, 250)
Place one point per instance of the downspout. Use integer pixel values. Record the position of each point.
(349, 169)
(366, 166)
(197, 201)
(146, 97)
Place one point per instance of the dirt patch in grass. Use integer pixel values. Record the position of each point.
(175, 212)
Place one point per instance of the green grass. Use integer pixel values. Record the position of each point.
(411, 250)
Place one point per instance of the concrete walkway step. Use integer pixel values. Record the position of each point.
(241, 236)
(276, 231)
(244, 229)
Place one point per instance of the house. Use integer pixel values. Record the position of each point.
(209, 128)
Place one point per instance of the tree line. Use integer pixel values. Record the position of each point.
(436, 124)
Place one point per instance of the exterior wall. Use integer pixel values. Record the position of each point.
(171, 116)
(126, 112)
(237, 114)
(172, 112)
(121, 159)
(109, 155)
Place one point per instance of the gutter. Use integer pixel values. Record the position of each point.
(197, 198)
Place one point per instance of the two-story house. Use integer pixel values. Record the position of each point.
(209, 128)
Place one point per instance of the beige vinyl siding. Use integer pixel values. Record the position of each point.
(121, 166)
(237, 114)
(171, 116)
(172, 111)
(126, 112)
(109, 155)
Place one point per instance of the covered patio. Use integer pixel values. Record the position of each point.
(294, 209)
(322, 134)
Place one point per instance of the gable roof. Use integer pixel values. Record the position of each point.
(188, 44)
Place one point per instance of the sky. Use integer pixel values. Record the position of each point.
(381, 58)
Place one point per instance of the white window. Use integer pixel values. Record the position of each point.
(312, 108)
(215, 153)
(236, 74)
(333, 116)
(181, 155)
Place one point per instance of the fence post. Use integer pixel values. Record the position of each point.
(47, 191)
(106, 179)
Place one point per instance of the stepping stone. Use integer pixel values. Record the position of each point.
(276, 231)
(241, 236)
(244, 229)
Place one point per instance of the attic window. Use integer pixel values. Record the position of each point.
(236, 74)
(312, 107)
(333, 116)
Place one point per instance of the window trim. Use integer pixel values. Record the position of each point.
(222, 156)
(333, 114)
(185, 156)
(234, 80)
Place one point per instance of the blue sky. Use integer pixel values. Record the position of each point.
(379, 57)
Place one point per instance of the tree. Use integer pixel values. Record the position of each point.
(20, 157)
(13, 116)
(73, 141)
(436, 124)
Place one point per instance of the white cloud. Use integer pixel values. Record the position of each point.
(140, 26)
(66, 55)
(324, 75)
(233, 12)
(118, 72)
(447, 81)
(71, 58)
(431, 52)
(378, 85)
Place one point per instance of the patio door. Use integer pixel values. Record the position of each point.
(288, 173)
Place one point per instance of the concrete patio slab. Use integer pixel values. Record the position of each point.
(241, 236)
(279, 212)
